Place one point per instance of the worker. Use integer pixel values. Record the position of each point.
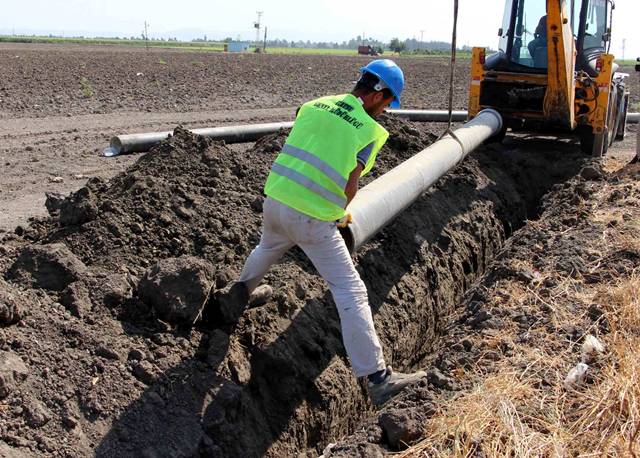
(333, 142)
(540, 39)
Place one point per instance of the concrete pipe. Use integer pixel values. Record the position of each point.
(430, 115)
(378, 203)
(460, 115)
(134, 143)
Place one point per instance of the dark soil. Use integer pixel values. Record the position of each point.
(113, 379)
(37, 80)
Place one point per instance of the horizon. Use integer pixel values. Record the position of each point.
(332, 21)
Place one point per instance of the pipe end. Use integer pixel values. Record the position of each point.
(114, 149)
(495, 113)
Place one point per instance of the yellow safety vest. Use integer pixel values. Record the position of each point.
(311, 172)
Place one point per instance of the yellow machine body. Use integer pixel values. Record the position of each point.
(559, 96)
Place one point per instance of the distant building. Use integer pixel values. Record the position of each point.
(237, 46)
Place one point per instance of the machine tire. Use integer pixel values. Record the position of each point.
(592, 144)
(621, 130)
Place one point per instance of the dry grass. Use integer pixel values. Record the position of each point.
(511, 414)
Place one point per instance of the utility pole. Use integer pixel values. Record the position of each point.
(422, 39)
(264, 43)
(146, 35)
(256, 25)
(624, 46)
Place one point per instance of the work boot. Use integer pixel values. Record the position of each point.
(392, 384)
(232, 301)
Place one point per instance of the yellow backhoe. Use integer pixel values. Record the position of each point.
(553, 72)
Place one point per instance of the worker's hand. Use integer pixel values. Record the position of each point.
(345, 221)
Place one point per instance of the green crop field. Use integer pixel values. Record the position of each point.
(200, 46)
(192, 45)
(332, 52)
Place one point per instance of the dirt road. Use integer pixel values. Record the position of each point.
(60, 104)
(58, 153)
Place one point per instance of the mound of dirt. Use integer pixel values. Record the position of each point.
(118, 381)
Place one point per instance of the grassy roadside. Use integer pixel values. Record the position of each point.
(525, 406)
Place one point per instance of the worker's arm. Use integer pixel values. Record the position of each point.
(352, 184)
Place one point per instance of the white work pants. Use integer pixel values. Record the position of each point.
(284, 227)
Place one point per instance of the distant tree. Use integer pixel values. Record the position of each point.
(396, 45)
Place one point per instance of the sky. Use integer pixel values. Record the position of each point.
(317, 20)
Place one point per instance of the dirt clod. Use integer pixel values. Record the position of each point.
(112, 289)
(13, 371)
(53, 202)
(37, 414)
(402, 427)
(145, 371)
(107, 352)
(79, 208)
(51, 266)
(177, 288)
(438, 379)
(13, 307)
(76, 299)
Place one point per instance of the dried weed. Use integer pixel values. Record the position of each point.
(511, 414)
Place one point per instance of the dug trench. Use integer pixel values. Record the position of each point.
(110, 370)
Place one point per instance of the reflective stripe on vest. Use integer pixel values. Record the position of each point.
(317, 163)
(309, 184)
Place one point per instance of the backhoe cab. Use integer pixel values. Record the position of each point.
(552, 72)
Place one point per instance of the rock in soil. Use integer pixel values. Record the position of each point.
(51, 267)
(76, 299)
(402, 427)
(13, 371)
(37, 414)
(13, 307)
(177, 288)
(6, 451)
(112, 289)
(79, 208)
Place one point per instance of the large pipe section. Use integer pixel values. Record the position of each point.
(134, 143)
(430, 115)
(383, 199)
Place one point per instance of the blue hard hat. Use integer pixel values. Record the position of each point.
(390, 74)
